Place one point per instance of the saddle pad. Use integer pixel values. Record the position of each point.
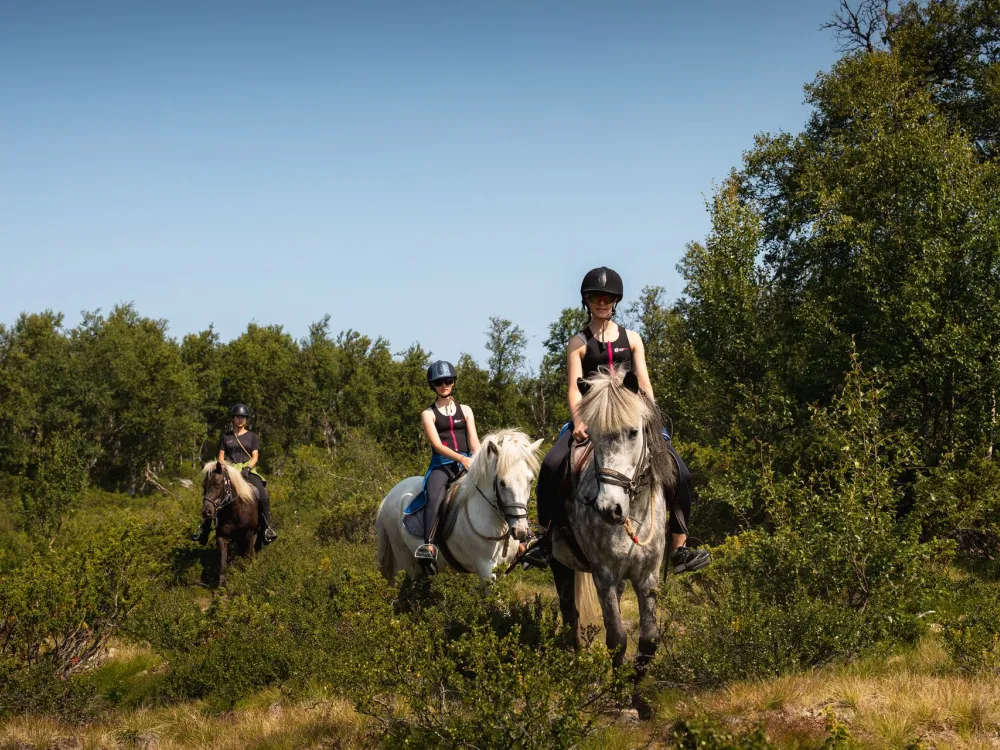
(417, 503)
(413, 521)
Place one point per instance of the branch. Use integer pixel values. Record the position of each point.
(858, 29)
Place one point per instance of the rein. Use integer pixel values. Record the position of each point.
(503, 511)
(632, 485)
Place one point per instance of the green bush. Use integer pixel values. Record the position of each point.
(838, 571)
(705, 734)
(58, 610)
(962, 502)
(971, 631)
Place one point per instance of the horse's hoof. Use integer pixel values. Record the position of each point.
(642, 707)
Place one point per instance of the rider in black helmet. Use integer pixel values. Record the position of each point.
(604, 344)
(451, 430)
(241, 448)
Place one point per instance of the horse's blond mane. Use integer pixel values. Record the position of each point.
(243, 489)
(611, 407)
(513, 448)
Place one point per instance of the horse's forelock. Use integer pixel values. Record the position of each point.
(243, 489)
(513, 448)
(611, 407)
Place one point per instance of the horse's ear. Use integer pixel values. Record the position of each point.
(583, 386)
(536, 445)
(631, 382)
(491, 449)
(218, 467)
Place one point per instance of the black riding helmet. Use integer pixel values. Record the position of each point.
(603, 280)
(441, 370)
(239, 410)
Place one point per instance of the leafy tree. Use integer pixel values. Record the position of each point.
(133, 393)
(261, 369)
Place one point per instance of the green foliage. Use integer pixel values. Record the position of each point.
(839, 571)
(705, 734)
(58, 610)
(971, 632)
(489, 670)
(56, 475)
(962, 502)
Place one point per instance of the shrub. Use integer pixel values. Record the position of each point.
(59, 609)
(838, 571)
(971, 633)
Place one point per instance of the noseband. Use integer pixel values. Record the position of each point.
(504, 510)
(631, 484)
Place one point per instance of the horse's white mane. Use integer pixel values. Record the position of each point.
(243, 489)
(513, 449)
(611, 407)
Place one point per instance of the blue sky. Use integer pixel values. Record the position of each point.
(409, 168)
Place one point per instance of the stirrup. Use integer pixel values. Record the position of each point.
(538, 554)
(270, 535)
(426, 551)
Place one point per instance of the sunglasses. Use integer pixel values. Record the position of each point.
(602, 299)
(446, 381)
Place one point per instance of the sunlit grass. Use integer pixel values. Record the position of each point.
(276, 726)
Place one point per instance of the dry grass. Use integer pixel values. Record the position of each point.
(322, 724)
(886, 703)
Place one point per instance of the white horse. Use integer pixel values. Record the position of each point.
(492, 508)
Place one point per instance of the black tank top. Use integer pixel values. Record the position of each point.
(617, 353)
(452, 430)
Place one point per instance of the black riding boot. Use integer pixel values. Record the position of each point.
(201, 536)
(539, 552)
(264, 518)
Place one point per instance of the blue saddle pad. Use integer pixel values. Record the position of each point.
(418, 502)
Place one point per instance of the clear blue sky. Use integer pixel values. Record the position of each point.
(410, 168)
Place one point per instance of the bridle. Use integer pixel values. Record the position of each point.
(631, 484)
(504, 510)
(227, 496)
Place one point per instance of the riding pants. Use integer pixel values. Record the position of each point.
(436, 486)
(263, 498)
(554, 468)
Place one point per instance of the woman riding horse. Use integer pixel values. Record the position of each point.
(241, 448)
(451, 430)
(605, 344)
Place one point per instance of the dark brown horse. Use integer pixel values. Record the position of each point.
(232, 500)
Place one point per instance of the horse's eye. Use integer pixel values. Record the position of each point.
(503, 484)
(633, 434)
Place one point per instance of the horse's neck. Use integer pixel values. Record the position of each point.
(476, 502)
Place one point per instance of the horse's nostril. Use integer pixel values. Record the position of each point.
(618, 510)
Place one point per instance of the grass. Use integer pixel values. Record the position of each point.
(315, 724)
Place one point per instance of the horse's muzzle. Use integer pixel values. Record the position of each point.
(614, 515)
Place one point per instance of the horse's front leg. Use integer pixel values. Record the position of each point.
(649, 634)
(607, 594)
(223, 545)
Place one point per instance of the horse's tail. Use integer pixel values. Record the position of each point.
(587, 607)
(386, 559)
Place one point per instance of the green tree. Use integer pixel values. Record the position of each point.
(261, 369)
(133, 394)
(506, 343)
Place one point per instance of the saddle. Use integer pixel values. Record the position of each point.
(413, 519)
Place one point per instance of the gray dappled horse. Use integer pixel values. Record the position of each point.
(617, 513)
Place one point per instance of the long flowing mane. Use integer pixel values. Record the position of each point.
(513, 447)
(243, 489)
(609, 407)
